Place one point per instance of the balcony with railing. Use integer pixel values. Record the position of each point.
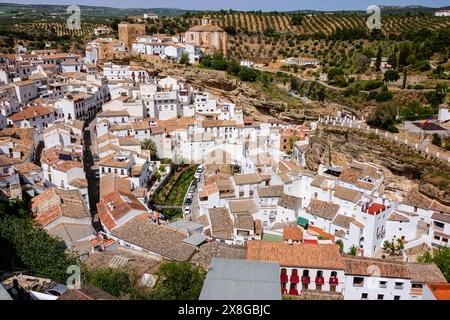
(293, 292)
(319, 280)
(306, 279)
(295, 279)
(333, 281)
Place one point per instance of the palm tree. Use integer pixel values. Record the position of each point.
(150, 145)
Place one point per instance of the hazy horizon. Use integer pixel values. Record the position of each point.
(265, 5)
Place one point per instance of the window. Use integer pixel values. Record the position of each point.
(438, 224)
(358, 281)
(364, 296)
(382, 284)
(399, 285)
(396, 297)
(380, 297)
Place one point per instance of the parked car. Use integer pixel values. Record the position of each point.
(192, 188)
(200, 168)
(197, 176)
(188, 201)
(187, 211)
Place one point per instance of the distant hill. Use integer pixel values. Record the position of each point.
(14, 8)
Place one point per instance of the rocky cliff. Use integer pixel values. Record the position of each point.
(404, 168)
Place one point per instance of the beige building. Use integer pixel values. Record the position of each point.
(128, 32)
(209, 37)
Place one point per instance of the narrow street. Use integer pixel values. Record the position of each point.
(93, 183)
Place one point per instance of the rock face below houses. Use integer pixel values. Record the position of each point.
(404, 169)
(254, 101)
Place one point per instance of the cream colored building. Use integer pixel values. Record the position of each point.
(209, 37)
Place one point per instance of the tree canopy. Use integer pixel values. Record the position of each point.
(179, 281)
(440, 257)
(25, 245)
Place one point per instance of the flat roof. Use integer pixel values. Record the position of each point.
(233, 279)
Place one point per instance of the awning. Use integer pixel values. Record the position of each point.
(303, 222)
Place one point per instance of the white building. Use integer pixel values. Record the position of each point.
(376, 279)
(114, 71)
(442, 13)
(38, 117)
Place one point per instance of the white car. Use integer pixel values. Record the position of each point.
(197, 176)
(187, 211)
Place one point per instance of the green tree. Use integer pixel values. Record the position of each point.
(394, 247)
(296, 19)
(184, 58)
(384, 117)
(438, 96)
(340, 243)
(415, 111)
(393, 58)
(26, 245)
(149, 145)
(362, 62)
(378, 60)
(248, 74)
(436, 140)
(403, 55)
(320, 95)
(353, 250)
(391, 75)
(265, 79)
(178, 281)
(114, 281)
(405, 77)
(233, 67)
(440, 257)
(295, 84)
(115, 24)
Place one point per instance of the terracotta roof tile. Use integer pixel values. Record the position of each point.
(155, 238)
(361, 266)
(292, 233)
(320, 256)
(324, 209)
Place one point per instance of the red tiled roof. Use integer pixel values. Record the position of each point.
(324, 256)
(30, 112)
(292, 233)
(375, 209)
(440, 290)
(122, 203)
(317, 230)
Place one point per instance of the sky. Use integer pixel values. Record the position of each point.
(265, 5)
